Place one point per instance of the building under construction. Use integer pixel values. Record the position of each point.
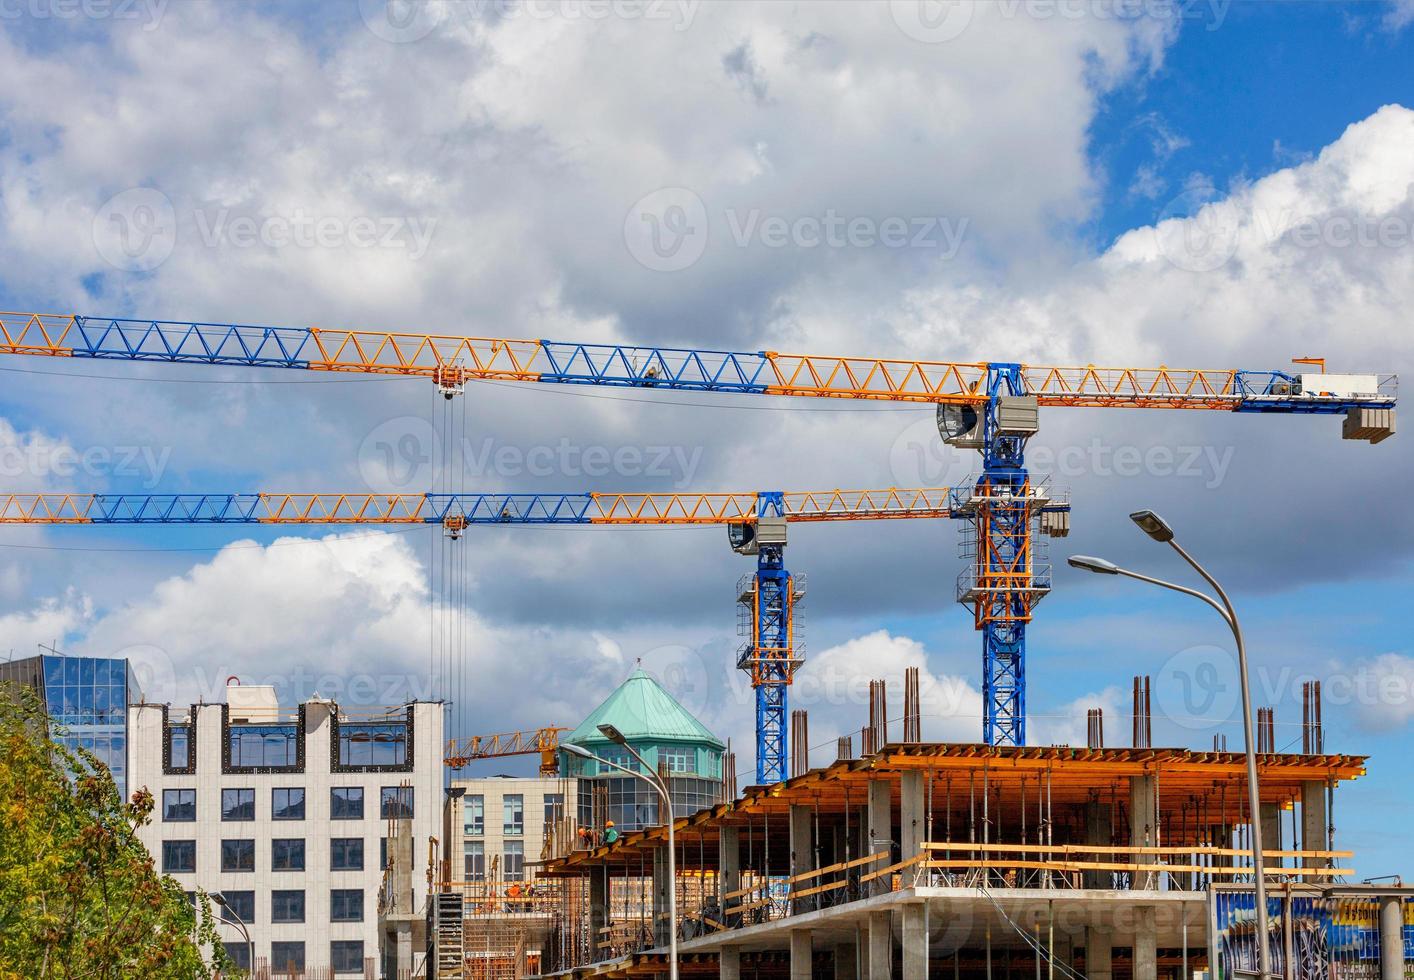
(920, 859)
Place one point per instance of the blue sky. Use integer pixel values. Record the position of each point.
(528, 144)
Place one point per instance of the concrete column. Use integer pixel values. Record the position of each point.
(1143, 824)
(729, 963)
(800, 953)
(1146, 954)
(1099, 830)
(1098, 949)
(915, 941)
(729, 862)
(1271, 832)
(598, 911)
(881, 946)
(881, 816)
(912, 815)
(1392, 938)
(1314, 822)
(661, 925)
(802, 855)
(846, 961)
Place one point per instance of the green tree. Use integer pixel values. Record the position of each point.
(79, 895)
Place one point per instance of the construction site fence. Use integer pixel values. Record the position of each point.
(1314, 933)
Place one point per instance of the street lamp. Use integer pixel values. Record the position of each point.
(220, 900)
(617, 737)
(1158, 529)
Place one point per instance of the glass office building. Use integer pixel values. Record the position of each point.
(87, 700)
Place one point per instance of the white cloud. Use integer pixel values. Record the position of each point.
(1377, 694)
(1400, 15)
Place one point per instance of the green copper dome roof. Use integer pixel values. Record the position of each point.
(642, 710)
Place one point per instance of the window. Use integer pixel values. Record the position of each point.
(239, 952)
(513, 812)
(396, 802)
(513, 860)
(178, 805)
(346, 803)
(269, 746)
(238, 804)
(239, 907)
(287, 957)
(554, 808)
(346, 955)
(373, 745)
(346, 854)
(474, 815)
(346, 905)
(238, 855)
(180, 757)
(677, 758)
(178, 856)
(287, 854)
(287, 804)
(287, 906)
(474, 855)
(382, 854)
(619, 758)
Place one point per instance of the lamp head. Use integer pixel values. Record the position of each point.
(577, 750)
(1153, 525)
(613, 734)
(1090, 564)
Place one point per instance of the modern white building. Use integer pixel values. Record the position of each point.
(285, 813)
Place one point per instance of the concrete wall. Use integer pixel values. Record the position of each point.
(317, 829)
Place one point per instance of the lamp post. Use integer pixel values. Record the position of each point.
(617, 737)
(220, 900)
(1158, 529)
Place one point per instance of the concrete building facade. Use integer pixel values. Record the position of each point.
(286, 814)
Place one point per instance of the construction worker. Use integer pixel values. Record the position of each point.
(610, 834)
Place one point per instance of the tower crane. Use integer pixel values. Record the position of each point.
(544, 742)
(990, 406)
(756, 525)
